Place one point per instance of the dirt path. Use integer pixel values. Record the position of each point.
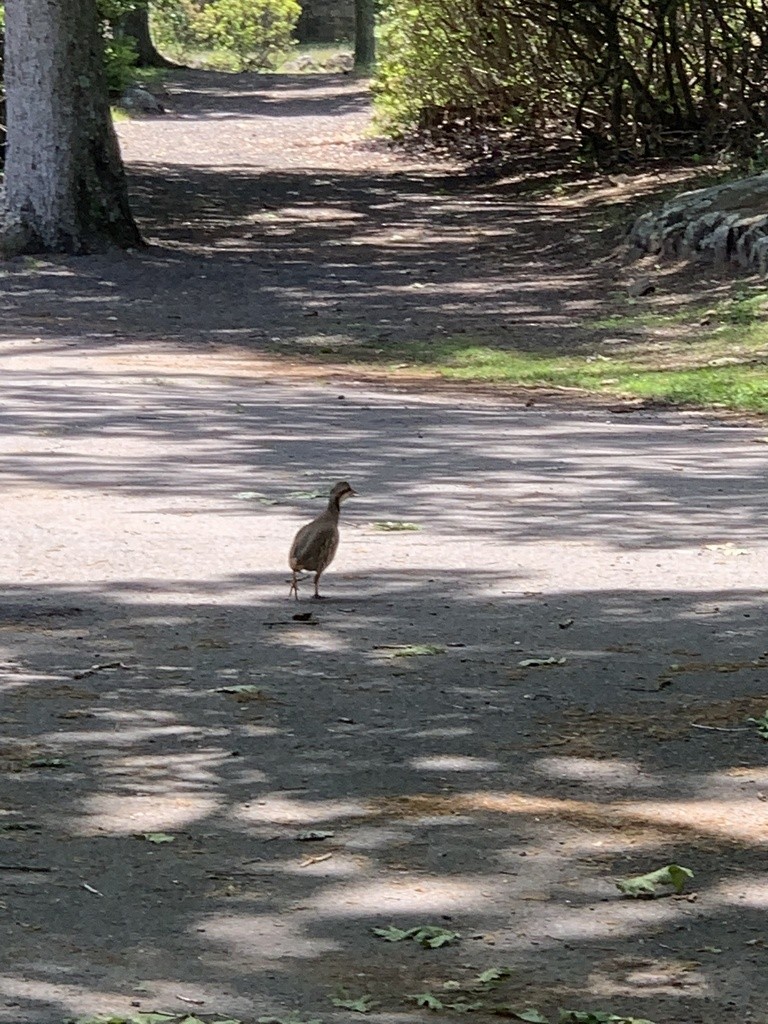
(155, 467)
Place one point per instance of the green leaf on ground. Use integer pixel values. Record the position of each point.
(761, 724)
(393, 934)
(415, 651)
(430, 936)
(427, 1000)
(433, 936)
(540, 662)
(492, 974)
(158, 837)
(395, 525)
(531, 1014)
(256, 496)
(648, 885)
(363, 1004)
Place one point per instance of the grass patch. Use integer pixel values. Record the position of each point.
(670, 357)
(743, 385)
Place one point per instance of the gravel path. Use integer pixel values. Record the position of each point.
(587, 588)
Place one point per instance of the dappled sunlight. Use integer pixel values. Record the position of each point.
(602, 774)
(648, 976)
(265, 940)
(549, 923)
(56, 989)
(747, 892)
(383, 898)
(743, 821)
(129, 736)
(284, 809)
(454, 763)
(158, 811)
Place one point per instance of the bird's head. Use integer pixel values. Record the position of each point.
(341, 491)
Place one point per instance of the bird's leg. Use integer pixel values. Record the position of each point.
(318, 595)
(294, 586)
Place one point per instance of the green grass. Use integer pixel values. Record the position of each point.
(741, 386)
(675, 360)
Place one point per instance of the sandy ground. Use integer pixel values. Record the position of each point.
(155, 466)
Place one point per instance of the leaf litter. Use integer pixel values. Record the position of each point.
(430, 936)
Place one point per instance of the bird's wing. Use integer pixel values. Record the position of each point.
(314, 546)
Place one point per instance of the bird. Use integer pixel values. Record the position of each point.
(315, 544)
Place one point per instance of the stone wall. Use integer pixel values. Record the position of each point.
(726, 223)
(326, 21)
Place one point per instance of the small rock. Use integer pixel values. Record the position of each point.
(136, 98)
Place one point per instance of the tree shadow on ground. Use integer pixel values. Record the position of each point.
(456, 789)
(184, 435)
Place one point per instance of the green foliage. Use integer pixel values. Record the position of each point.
(257, 32)
(761, 725)
(431, 936)
(648, 885)
(120, 62)
(639, 77)
(175, 25)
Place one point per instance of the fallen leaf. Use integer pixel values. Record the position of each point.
(158, 837)
(363, 1004)
(492, 974)
(395, 525)
(415, 651)
(540, 662)
(647, 885)
(427, 1000)
(430, 936)
(313, 835)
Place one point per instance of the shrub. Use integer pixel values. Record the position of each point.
(120, 63)
(626, 78)
(257, 32)
(175, 25)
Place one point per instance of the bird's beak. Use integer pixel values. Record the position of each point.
(352, 492)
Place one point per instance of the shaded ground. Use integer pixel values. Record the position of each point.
(144, 440)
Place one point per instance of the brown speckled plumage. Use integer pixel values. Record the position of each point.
(315, 544)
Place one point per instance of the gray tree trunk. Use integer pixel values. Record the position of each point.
(365, 39)
(135, 25)
(65, 187)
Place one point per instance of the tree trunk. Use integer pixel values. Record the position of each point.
(365, 39)
(135, 25)
(65, 187)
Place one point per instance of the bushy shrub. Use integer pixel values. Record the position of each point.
(255, 31)
(175, 25)
(120, 63)
(636, 77)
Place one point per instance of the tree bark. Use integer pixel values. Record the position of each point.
(365, 39)
(135, 25)
(65, 187)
